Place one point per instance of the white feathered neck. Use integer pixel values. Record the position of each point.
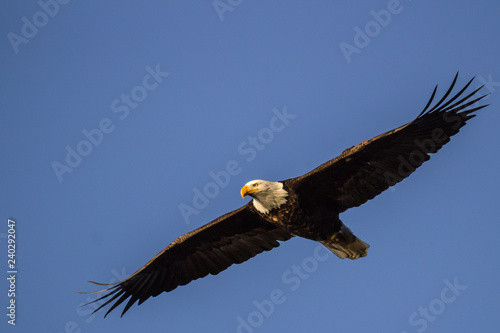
(270, 195)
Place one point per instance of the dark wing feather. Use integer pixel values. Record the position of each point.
(231, 239)
(362, 172)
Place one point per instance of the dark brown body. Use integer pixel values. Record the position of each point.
(310, 219)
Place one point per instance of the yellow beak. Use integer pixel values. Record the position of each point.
(244, 191)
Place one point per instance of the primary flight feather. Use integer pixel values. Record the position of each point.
(307, 206)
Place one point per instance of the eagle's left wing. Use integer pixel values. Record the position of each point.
(362, 172)
(230, 239)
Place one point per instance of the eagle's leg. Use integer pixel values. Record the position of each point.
(344, 244)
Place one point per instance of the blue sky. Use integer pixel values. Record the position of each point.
(158, 97)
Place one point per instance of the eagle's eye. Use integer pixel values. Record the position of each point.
(255, 185)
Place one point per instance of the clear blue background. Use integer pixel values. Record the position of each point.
(227, 72)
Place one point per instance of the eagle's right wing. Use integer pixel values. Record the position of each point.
(362, 172)
(231, 239)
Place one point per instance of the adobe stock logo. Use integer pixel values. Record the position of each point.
(223, 6)
(30, 28)
(249, 148)
(363, 37)
(122, 107)
(292, 278)
(427, 314)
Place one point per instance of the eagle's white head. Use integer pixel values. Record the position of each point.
(266, 195)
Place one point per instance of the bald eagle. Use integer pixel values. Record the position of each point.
(307, 206)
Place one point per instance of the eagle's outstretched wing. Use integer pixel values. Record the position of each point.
(362, 172)
(231, 239)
